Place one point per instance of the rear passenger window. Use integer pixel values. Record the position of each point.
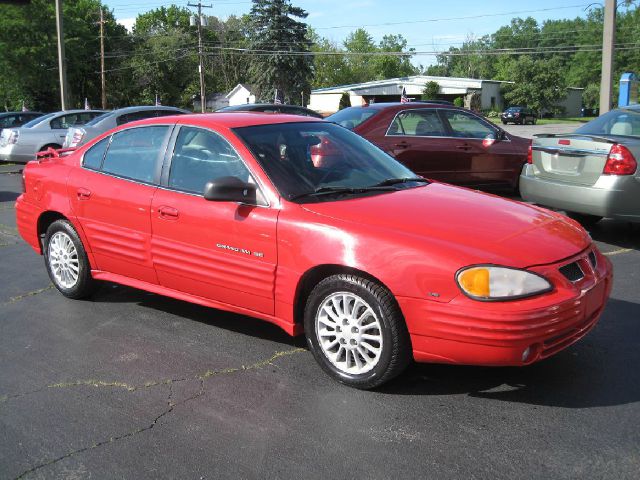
(417, 123)
(134, 153)
(93, 157)
(201, 156)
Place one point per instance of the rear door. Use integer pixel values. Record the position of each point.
(418, 139)
(491, 164)
(111, 197)
(222, 251)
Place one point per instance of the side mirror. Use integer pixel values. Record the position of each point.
(230, 189)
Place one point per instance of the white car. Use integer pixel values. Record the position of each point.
(20, 145)
(81, 135)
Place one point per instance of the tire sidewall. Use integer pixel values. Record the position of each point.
(326, 288)
(84, 282)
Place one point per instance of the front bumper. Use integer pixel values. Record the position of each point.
(611, 196)
(469, 332)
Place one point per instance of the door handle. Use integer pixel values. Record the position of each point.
(169, 213)
(83, 194)
(463, 147)
(402, 145)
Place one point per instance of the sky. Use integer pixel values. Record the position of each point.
(427, 25)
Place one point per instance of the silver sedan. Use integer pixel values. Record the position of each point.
(20, 145)
(591, 173)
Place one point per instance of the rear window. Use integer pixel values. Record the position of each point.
(38, 120)
(616, 122)
(352, 117)
(98, 119)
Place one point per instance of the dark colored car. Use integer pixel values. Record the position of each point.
(271, 108)
(16, 119)
(442, 142)
(519, 115)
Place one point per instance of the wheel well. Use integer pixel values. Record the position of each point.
(314, 276)
(52, 145)
(46, 219)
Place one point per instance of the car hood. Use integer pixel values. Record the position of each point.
(511, 232)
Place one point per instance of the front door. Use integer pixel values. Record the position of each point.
(222, 251)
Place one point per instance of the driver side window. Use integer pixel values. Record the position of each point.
(201, 156)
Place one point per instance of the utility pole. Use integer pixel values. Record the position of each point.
(62, 67)
(203, 99)
(608, 42)
(102, 78)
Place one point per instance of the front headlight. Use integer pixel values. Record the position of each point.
(488, 282)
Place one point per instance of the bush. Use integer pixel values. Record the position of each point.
(458, 102)
(345, 101)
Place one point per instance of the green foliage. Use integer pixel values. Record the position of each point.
(274, 29)
(430, 91)
(345, 101)
(458, 102)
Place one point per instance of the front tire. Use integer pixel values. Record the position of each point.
(356, 332)
(66, 261)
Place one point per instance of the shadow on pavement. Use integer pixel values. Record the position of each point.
(8, 196)
(620, 234)
(599, 370)
(229, 321)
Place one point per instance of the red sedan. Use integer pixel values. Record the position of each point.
(375, 265)
(441, 142)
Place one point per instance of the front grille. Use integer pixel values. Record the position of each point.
(572, 272)
(593, 259)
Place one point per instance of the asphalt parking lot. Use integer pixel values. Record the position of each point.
(133, 385)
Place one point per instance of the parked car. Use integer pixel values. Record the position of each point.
(21, 144)
(441, 142)
(271, 108)
(17, 119)
(81, 135)
(239, 218)
(519, 116)
(591, 173)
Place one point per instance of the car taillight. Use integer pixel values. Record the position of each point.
(530, 155)
(13, 137)
(78, 134)
(620, 161)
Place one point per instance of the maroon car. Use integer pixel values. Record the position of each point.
(441, 142)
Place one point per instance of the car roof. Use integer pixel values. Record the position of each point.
(79, 110)
(400, 105)
(227, 120)
(142, 108)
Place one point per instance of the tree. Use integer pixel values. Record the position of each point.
(282, 61)
(537, 83)
(430, 91)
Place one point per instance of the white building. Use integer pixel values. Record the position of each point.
(241, 95)
(481, 94)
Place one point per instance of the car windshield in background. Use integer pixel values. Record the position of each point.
(38, 120)
(352, 117)
(97, 119)
(310, 161)
(625, 122)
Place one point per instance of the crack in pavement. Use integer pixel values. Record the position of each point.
(22, 296)
(171, 405)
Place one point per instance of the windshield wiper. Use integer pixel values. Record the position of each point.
(342, 190)
(395, 181)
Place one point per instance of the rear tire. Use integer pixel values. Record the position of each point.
(356, 332)
(66, 261)
(55, 146)
(584, 218)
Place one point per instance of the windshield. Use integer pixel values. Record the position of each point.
(97, 119)
(38, 120)
(624, 122)
(352, 117)
(321, 158)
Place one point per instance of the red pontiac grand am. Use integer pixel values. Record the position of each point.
(375, 265)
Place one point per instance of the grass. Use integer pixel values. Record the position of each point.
(550, 121)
